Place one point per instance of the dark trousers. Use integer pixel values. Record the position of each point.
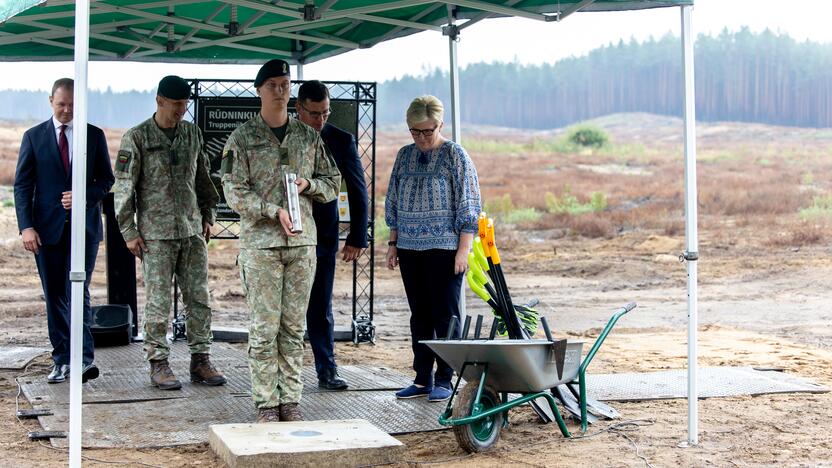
(53, 263)
(319, 322)
(432, 291)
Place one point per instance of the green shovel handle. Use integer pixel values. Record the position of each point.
(474, 268)
(477, 288)
(479, 253)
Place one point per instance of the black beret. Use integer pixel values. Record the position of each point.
(270, 69)
(174, 87)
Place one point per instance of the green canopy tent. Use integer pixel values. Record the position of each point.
(253, 31)
(249, 31)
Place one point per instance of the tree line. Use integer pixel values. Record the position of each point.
(105, 108)
(740, 76)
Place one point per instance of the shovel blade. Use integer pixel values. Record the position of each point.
(559, 349)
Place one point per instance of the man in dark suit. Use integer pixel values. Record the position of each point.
(313, 110)
(43, 201)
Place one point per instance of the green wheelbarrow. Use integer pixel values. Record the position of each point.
(494, 368)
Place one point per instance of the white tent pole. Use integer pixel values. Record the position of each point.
(691, 236)
(456, 131)
(77, 273)
(299, 68)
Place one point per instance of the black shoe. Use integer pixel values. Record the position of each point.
(89, 372)
(59, 373)
(330, 380)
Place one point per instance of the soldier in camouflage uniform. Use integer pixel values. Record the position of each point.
(165, 205)
(277, 266)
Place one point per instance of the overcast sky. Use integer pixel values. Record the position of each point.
(527, 41)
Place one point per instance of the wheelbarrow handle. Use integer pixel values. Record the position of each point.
(591, 354)
(603, 336)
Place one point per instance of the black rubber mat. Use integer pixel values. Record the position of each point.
(165, 423)
(121, 409)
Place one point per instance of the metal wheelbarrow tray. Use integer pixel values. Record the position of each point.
(494, 368)
(514, 366)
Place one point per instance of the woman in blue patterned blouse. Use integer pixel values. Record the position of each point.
(432, 205)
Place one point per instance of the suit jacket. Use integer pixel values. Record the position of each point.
(342, 146)
(40, 180)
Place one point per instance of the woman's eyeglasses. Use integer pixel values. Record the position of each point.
(428, 132)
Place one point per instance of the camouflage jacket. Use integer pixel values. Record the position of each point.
(253, 166)
(163, 189)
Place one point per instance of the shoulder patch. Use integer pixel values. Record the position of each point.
(123, 160)
(228, 157)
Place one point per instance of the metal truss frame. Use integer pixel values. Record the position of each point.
(364, 95)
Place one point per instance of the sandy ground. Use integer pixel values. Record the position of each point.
(760, 305)
(774, 320)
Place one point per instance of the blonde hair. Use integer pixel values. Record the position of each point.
(423, 108)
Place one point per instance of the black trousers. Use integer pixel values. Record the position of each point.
(319, 322)
(53, 263)
(432, 290)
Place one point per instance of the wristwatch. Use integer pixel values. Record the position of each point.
(391, 243)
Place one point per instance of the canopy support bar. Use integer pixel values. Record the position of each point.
(453, 35)
(691, 235)
(77, 273)
(452, 32)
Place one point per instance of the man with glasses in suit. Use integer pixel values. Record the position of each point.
(313, 110)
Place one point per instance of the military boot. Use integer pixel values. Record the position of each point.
(161, 376)
(290, 412)
(267, 415)
(202, 371)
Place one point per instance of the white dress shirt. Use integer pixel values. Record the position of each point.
(68, 133)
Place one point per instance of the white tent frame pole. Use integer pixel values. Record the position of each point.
(691, 235)
(456, 130)
(299, 68)
(77, 273)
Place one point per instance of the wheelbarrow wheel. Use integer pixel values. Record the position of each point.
(480, 435)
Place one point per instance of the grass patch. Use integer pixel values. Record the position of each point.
(800, 234)
(583, 139)
(716, 156)
(589, 225)
(587, 136)
(522, 216)
(503, 208)
(494, 146)
(821, 208)
(8, 203)
(569, 204)
(498, 206)
(381, 231)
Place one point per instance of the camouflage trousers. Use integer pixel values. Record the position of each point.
(188, 260)
(277, 283)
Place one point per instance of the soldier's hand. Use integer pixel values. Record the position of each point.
(302, 184)
(206, 231)
(350, 253)
(286, 222)
(137, 247)
(31, 240)
(66, 200)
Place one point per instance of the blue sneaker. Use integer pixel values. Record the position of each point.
(439, 394)
(413, 392)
